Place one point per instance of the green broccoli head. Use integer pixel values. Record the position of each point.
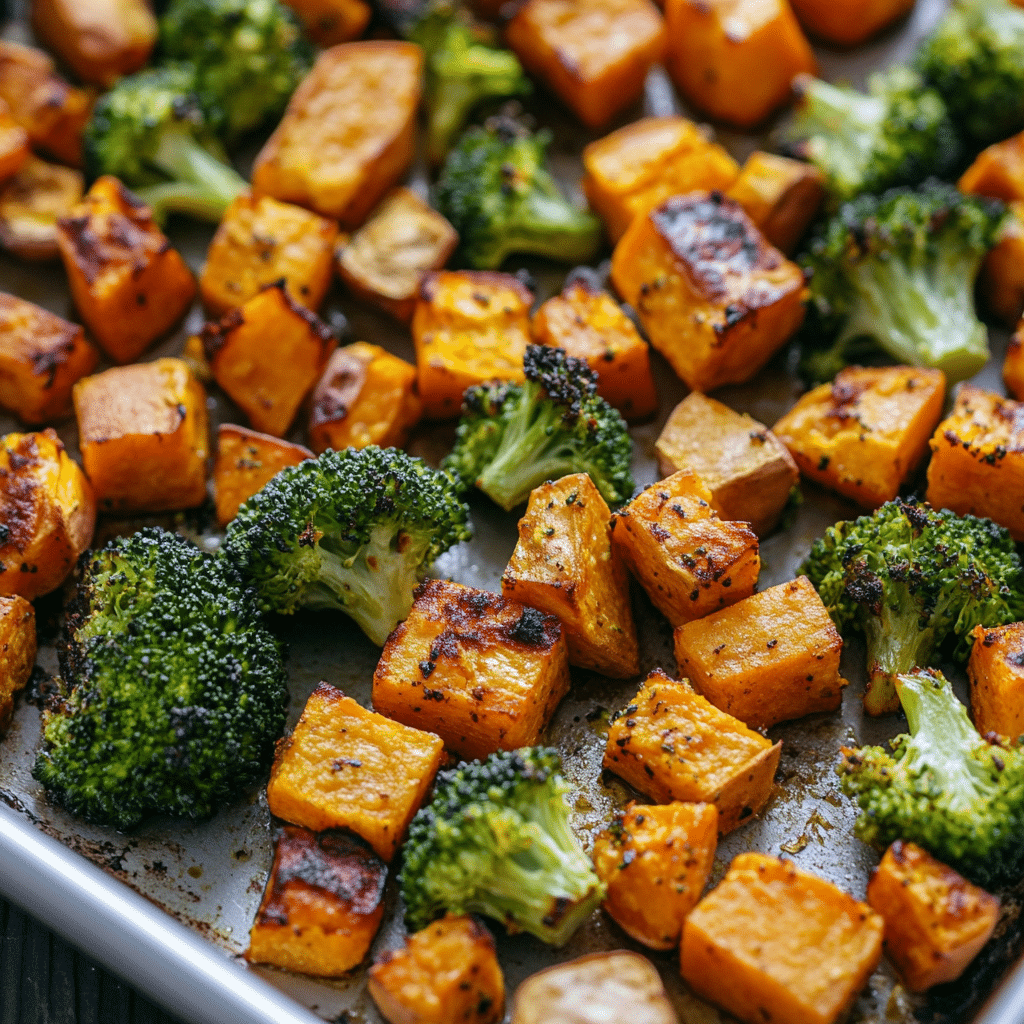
(249, 56)
(899, 269)
(915, 580)
(171, 691)
(942, 786)
(501, 199)
(353, 530)
(513, 437)
(496, 840)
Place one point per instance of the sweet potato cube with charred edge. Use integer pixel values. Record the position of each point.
(346, 767)
(348, 134)
(593, 54)
(17, 651)
(267, 356)
(41, 357)
(714, 297)
(322, 906)
(384, 261)
(996, 672)
(47, 513)
(246, 460)
(864, 434)
(848, 22)
(1013, 364)
(735, 59)
(655, 862)
(935, 920)
(590, 325)
(329, 22)
(14, 149)
(446, 973)
(32, 202)
(772, 943)
(772, 657)
(672, 744)
(1002, 273)
(260, 242)
(747, 469)
(469, 326)
(128, 284)
(977, 464)
(689, 561)
(365, 396)
(997, 171)
(482, 672)
(564, 564)
(144, 435)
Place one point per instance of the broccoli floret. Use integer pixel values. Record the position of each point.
(913, 580)
(943, 786)
(495, 840)
(171, 691)
(249, 56)
(353, 530)
(151, 131)
(899, 269)
(898, 133)
(975, 59)
(463, 70)
(501, 199)
(513, 437)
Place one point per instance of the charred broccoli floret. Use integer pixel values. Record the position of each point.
(942, 786)
(513, 437)
(353, 530)
(912, 580)
(501, 199)
(171, 690)
(496, 840)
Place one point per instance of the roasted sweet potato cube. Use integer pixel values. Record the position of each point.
(977, 464)
(772, 943)
(267, 356)
(348, 134)
(565, 565)
(747, 469)
(144, 435)
(848, 22)
(41, 357)
(482, 672)
(735, 59)
(714, 297)
(864, 434)
(935, 921)
(1013, 364)
(1002, 273)
(32, 202)
(593, 54)
(590, 325)
(261, 242)
(655, 862)
(329, 22)
(245, 461)
(322, 906)
(17, 651)
(128, 284)
(469, 326)
(771, 657)
(365, 396)
(689, 561)
(346, 767)
(997, 171)
(673, 744)
(639, 166)
(14, 149)
(47, 512)
(384, 261)
(447, 972)
(996, 672)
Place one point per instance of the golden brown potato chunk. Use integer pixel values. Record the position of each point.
(996, 672)
(849, 22)
(14, 149)
(329, 22)
(32, 202)
(17, 651)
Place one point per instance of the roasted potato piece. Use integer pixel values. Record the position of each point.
(47, 513)
(348, 134)
(483, 673)
(329, 22)
(774, 943)
(848, 22)
(446, 973)
(14, 149)
(997, 171)
(32, 202)
(384, 261)
(346, 767)
(17, 651)
(1013, 364)
(714, 297)
(323, 903)
(1002, 273)
(143, 431)
(996, 672)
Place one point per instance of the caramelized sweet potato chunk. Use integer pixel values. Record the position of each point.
(1002, 273)
(996, 672)
(14, 150)
(17, 651)
(329, 22)
(997, 171)
(849, 22)
(32, 202)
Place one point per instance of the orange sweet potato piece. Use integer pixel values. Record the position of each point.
(1002, 272)
(848, 22)
(996, 672)
(14, 149)
(329, 22)
(32, 202)
(17, 651)
(1013, 364)
(997, 171)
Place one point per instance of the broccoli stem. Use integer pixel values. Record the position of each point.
(896, 644)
